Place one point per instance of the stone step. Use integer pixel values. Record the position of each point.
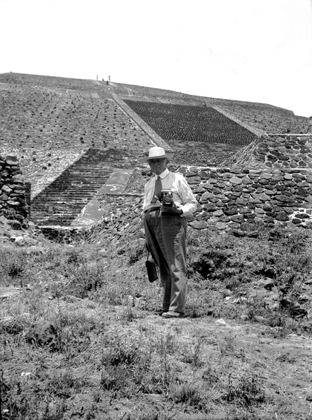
(64, 199)
(78, 185)
(68, 192)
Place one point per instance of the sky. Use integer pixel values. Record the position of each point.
(249, 50)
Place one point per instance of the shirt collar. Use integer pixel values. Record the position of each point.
(164, 174)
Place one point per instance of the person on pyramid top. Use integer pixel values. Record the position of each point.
(168, 199)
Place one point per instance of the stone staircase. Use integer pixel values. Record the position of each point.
(62, 201)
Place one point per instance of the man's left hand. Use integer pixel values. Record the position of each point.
(171, 209)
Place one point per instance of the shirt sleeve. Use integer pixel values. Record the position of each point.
(145, 196)
(189, 202)
(148, 193)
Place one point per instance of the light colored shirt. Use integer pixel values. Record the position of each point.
(182, 194)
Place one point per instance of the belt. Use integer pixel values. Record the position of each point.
(151, 209)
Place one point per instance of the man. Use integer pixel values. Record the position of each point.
(165, 229)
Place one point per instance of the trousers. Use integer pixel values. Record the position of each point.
(165, 236)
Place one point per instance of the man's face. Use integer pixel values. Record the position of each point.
(158, 165)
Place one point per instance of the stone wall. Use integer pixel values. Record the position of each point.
(235, 197)
(13, 203)
(228, 199)
(275, 151)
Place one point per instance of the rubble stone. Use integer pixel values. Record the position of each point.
(12, 193)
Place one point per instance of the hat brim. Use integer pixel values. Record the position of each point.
(157, 157)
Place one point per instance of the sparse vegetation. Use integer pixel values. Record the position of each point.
(83, 338)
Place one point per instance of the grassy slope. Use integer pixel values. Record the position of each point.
(85, 340)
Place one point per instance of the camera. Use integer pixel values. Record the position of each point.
(166, 198)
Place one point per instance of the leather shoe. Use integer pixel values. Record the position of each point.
(171, 314)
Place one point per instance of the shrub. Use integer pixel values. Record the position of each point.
(245, 390)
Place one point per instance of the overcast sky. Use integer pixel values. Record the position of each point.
(253, 50)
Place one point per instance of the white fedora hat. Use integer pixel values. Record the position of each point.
(157, 153)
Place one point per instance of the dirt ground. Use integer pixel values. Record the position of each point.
(233, 350)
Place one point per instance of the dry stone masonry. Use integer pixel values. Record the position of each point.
(228, 199)
(275, 151)
(234, 198)
(13, 203)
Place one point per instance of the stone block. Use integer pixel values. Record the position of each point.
(218, 213)
(283, 198)
(282, 217)
(302, 216)
(254, 201)
(241, 201)
(246, 180)
(193, 180)
(237, 218)
(230, 211)
(209, 207)
(6, 189)
(270, 192)
(221, 225)
(198, 225)
(288, 210)
(206, 196)
(296, 221)
(224, 219)
(204, 174)
(235, 180)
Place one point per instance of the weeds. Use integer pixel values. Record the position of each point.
(68, 353)
(194, 355)
(227, 346)
(210, 374)
(12, 267)
(188, 394)
(136, 254)
(245, 390)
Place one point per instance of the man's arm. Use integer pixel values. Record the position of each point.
(189, 202)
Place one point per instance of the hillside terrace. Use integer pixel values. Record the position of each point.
(35, 116)
(271, 121)
(156, 94)
(48, 81)
(264, 117)
(198, 134)
(49, 128)
(51, 122)
(184, 122)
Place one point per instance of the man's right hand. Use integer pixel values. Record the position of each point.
(155, 200)
(171, 210)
